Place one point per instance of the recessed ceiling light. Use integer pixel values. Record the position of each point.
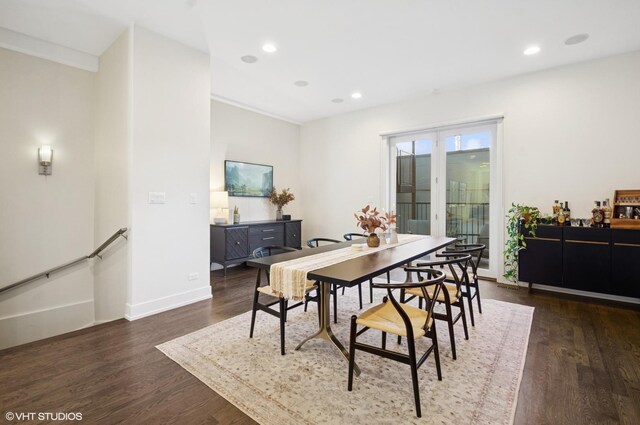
(576, 39)
(269, 48)
(337, 100)
(356, 95)
(301, 83)
(249, 59)
(531, 50)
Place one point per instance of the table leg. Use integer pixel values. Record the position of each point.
(325, 331)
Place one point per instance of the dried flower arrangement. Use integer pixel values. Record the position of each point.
(281, 199)
(371, 219)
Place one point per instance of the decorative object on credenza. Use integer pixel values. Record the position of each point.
(246, 179)
(518, 214)
(371, 219)
(220, 202)
(280, 200)
(286, 216)
(236, 215)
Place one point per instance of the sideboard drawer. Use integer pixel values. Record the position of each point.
(265, 239)
(266, 229)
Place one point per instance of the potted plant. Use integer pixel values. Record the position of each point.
(518, 215)
(369, 220)
(280, 200)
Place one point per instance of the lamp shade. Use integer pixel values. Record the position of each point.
(44, 154)
(219, 200)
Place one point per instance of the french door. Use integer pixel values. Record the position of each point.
(443, 183)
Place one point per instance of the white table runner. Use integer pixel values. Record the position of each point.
(289, 277)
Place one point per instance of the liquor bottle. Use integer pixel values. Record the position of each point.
(596, 214)
(606, 213)
(556, 208)
(561, 216)
(567, 214)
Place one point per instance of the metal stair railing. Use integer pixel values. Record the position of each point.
(96, 253)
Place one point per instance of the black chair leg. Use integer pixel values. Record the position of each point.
(467, 295)
(371, 291)
(452, 336)
(360, 294)
(352, 351)
(478, 297)
(414, 375)
(436, 351)
(255, 303)
(460, 304)
(283, 311)
(384, 340)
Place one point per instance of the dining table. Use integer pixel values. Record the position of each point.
(352, 271)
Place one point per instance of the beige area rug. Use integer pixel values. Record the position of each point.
(310, 386)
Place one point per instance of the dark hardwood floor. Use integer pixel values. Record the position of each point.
(582, 367)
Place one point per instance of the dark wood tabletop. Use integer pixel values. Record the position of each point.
(360, 269)
(266, 262)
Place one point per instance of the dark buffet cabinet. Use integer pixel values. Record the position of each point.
(583, 258)
(234, 243)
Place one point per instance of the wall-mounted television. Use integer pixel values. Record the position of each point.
(246, 179)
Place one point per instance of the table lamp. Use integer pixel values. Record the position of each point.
(220, 202)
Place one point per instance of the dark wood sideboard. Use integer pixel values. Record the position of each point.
(588, 259)
(234, 243)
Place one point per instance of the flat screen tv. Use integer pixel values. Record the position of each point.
(246, 179)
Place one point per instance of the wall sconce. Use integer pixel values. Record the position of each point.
(220, 201)
(45, 158)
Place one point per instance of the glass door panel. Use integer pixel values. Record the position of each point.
(412, 197)
(467, 208)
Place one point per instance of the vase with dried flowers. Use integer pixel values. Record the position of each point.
(371, 219)
(280, 200)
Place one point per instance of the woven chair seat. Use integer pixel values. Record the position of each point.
(384, 317)
(452, 289)
(268, 290)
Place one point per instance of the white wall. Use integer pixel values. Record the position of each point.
(112, 153)
(241, 135)
(569, 133)
(45, 221)
(170, 154)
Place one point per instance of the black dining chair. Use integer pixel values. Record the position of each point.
(314, 243)
(402, 320)
(471, 288)
(351, 236)
(266, 290)
(451, 295)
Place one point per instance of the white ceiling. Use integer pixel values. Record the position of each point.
(389, 50)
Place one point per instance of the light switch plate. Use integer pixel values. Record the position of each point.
(193, 276)
(156, 197)
(193, 198)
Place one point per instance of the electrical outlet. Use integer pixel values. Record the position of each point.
(193, 198)
(193, 276)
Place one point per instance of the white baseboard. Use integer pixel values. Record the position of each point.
(148, 308)
(35, 325)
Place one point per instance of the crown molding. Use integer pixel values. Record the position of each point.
(32, 46)
(252, 109)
